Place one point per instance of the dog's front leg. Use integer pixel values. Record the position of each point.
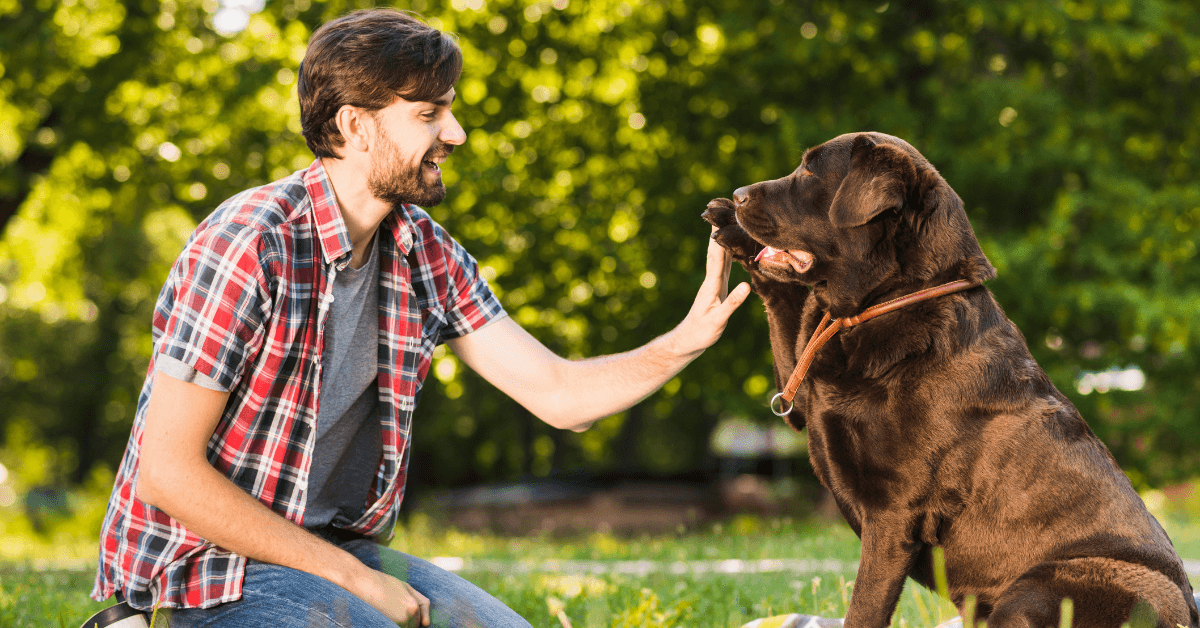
(887, 557)
(785, 309)
(784, 301)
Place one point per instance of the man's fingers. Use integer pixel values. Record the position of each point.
(420, 616)
(736, 298)
(717, 268)
(424, 602)
(717, 315)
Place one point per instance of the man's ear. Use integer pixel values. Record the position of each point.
(356, 125)
(878, 180)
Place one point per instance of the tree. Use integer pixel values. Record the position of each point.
(597, 132)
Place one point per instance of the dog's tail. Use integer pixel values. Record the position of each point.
(1161, 602)
(1103, 592)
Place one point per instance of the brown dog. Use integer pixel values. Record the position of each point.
(931, 425)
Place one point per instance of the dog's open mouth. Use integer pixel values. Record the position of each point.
(801, 261)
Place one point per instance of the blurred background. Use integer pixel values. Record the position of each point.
(597, 132)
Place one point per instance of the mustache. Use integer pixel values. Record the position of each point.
(439, 151)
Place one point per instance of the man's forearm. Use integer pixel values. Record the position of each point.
(594, 388)
(175, 476)
(214, 508)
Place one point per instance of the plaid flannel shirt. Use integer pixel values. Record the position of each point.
(246, 305)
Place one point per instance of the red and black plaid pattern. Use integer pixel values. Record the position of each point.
(246, 305)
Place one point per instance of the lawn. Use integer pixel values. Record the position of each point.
(595, 581)
(702, 577)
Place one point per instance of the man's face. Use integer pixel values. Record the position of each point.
(412, 140)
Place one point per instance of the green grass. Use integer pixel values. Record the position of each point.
(745, 537)
(45, 581)
(51, 597)
(657, 599)
(38, 594)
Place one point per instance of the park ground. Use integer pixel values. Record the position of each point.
(718, 573)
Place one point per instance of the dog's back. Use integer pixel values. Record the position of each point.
(1046, 512)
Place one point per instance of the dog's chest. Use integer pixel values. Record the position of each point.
(860, 451)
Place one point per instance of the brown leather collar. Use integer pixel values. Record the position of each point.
(826, 329)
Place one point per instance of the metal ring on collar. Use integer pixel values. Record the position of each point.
(780, 411)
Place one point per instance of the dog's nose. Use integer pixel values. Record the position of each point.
(741, 195)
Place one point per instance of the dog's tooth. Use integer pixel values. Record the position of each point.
(766, 252)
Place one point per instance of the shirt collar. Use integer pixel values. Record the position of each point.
(403, 228)
(331, 229)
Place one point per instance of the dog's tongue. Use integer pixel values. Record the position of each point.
(766, 252)
(801, 261)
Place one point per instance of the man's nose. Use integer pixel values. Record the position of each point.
(452, 132)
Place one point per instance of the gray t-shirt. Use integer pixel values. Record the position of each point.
(349, 444)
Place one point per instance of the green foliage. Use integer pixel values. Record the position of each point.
(597, 132)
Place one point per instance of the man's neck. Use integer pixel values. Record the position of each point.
(361, 211)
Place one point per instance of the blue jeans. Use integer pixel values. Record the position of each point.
(287, 598)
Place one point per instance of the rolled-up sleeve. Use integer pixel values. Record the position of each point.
(471, 304)
(213, 319)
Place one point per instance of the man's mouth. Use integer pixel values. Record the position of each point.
(434, 158)
(800, 261)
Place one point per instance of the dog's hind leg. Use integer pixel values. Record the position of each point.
(1104, 593)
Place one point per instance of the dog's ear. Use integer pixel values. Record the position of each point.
(878, 180)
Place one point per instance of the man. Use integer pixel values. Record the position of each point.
(270, 445)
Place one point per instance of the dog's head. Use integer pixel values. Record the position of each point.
(864, 213)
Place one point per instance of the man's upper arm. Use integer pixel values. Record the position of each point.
(180, 420)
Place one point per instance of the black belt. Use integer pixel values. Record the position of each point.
(117, 614)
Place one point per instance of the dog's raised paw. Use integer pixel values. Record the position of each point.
(720, 212)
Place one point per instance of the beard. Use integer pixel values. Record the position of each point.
(393, 181)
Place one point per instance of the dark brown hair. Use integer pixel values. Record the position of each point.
(366, 59)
